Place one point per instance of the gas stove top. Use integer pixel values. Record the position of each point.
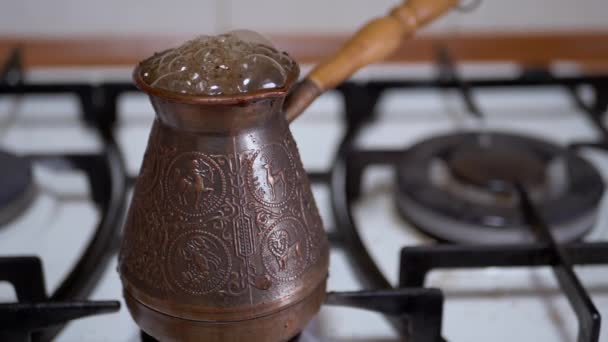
(427, 245)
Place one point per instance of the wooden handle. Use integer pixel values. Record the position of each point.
(377, 40)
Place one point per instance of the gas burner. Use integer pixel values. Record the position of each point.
(461, 187)
(16, 186)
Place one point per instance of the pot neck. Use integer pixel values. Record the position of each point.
(217, 118)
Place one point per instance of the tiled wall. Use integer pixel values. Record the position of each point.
(74, 17)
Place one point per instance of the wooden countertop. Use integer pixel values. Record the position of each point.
(589, 48)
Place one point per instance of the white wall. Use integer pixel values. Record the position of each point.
(75, 17)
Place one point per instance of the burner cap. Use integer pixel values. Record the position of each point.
(495, 167)
(459, 188)
(16, 186)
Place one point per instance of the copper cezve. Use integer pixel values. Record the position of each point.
(223, 240)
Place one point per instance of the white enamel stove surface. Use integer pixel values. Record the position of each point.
(489, 304)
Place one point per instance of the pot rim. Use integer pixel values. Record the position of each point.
(292, 77)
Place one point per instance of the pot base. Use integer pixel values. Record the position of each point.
(277, 327)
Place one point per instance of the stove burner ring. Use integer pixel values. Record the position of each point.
(460, 189)
(17, 187)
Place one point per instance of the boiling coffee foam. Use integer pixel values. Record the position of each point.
(233, 63)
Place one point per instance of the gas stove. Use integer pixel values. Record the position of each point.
(425, 246)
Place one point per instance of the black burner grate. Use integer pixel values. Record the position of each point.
(416, 262)
(35, 311)
(37, 316)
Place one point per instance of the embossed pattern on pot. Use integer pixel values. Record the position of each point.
(233, 229)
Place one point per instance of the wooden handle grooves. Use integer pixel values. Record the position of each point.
(377, 40)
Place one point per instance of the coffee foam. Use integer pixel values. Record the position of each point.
(232, 63)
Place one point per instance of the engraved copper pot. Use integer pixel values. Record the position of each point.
(223, 240)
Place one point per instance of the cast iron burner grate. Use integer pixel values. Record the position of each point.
(17, 187)
(351, 161)
(38, 316)
(35, 311)
(458, 187)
